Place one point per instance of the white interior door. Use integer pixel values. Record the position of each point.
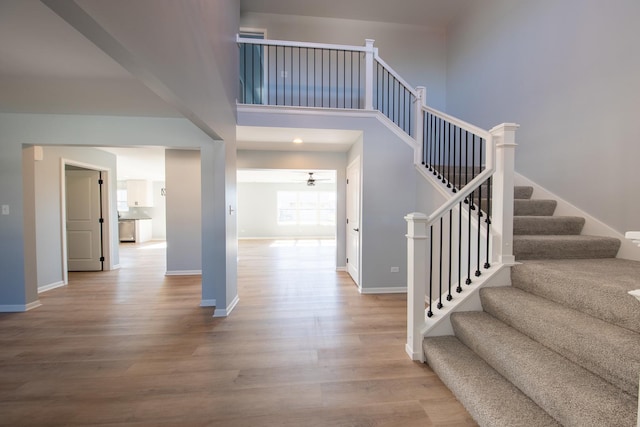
(353, 220)
(84, 240)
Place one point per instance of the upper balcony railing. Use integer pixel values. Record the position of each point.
(274, 72)
(472, 230)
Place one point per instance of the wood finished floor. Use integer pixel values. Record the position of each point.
(303, 348)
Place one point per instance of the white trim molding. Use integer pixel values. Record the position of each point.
(342, 268)
(19, 308)
(50, 286)
(227, 311)
(183, 273)
(383, 290)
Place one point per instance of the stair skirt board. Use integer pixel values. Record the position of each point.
(592, 226)
(561, 344)
(469, 300)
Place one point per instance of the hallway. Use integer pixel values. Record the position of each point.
(132, 347)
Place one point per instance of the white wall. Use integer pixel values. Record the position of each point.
(183, 208)
(567, 72)
(417, 53)
(253, 159)
(258, 211)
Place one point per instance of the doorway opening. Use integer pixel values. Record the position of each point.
(291, 211)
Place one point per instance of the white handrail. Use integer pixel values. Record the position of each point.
(460, 123)
(395, 74)
(300, 44)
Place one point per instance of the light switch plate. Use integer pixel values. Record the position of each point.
(5, 209)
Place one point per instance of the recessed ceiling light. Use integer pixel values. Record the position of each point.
(297, 141)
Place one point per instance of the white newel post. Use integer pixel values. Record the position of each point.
(417, 243)
(421, 101)
(368, 74)
(504, 136)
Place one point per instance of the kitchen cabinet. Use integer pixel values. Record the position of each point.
(139, 193)
(143, 230)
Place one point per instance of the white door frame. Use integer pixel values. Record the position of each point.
(106, 214)
(354, 163)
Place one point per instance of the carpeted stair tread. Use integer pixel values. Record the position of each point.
(534, 207)
(522, 192)
(606, 350)
(564, 247)
(547, 225)
(597, 287)
(489, 397)
(569, 393)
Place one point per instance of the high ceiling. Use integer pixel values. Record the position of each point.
(46, 66)
(437, 13)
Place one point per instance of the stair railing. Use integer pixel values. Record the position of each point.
(473, 229)
(318, 75)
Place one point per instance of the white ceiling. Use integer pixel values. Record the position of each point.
(139, 163)
(281, 139)
(437, 13)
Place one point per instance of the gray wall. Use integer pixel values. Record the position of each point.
(183, 209)
(388, 190)
(17, 246)
(258, 211)
(306, 160)
(417, 53)
(48, 206)
(567, 72)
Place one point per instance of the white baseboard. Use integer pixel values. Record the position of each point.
(341, 268)
(183, 273)
(116, 267)
(227, 311)
(592, 225)
(208, 303)
(50, 286)
(19, 308)
(383, 290)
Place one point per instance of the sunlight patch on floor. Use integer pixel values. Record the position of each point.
(309, 243)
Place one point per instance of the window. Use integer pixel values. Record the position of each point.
(121, 196)
(306, 208)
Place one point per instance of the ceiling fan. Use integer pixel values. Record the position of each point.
(311, 181)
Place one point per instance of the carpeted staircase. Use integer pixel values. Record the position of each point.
(561, 346)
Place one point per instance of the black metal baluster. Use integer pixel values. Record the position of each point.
(440, 261)
(468, 281)
(478, 272)
(433, 143)
(449, 296)
(448, 125)
(455, 169)
(473, 170)
(425, 139)
(459, 288)
(436, 143)
(488, 221)
(430, 312)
